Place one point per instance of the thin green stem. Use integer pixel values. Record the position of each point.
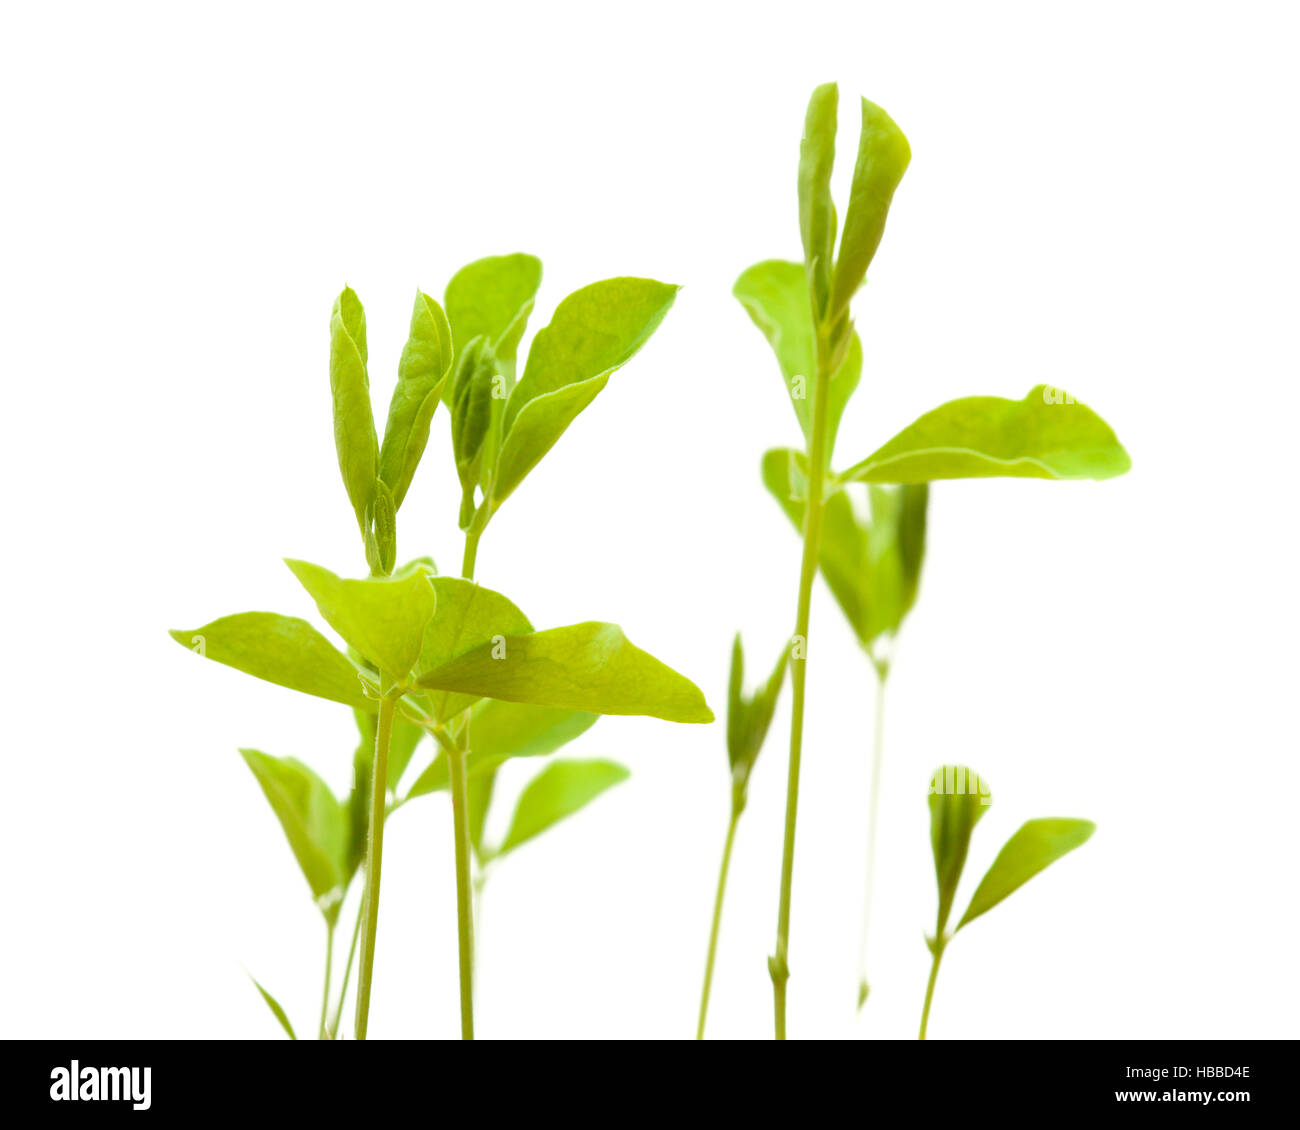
(347, 970)
(717, 920)
(873, 817)
(374, 859)
(929, 989)
(778, 964)
(464, 890)
(329, 961)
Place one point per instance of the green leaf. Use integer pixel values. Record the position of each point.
(500, 730)
(775, 295)
(1040, 437)
(883, 156)
(958, 798)
(492, 298)
(912, 521)
(816, 212)
(471, 418)
(282, 650)
(591, 667)
(274, 1006)
(354, 422)
(478, 796)
(314, 823)
(468, 616)
(1035, 846)
(749, 718)
(384, 618)
(559, 790)
(594, 331)
(421, 375)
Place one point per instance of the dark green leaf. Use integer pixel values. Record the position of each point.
(421, 374)
(816, 212)
(559, 790)
(275, 1008)
(354, 422)
(883, 156)
(958, 798)
(591, 667)
(1040, 437)
(282, 650)
(1038, 844)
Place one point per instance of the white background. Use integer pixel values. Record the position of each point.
(1101, 196)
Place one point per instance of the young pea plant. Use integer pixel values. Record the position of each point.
(958, 798)
(748, 719)
(803, 309)
(428, 653)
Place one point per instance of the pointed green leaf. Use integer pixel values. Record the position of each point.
(492, 298)
(958, 798)
(421, 373)
(354, 422)
(775, 295)
(282, 650)
(591, 667)
(883, 156)
(559, 790)
(594, 331)
(1045, 436)
(314, 823)
(1038, 844)
(749, 718)
(274, 1006)
(816, 212)
(384, 618)
(471, 418)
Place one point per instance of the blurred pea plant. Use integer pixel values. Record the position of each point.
(443, 655)
(871, 558)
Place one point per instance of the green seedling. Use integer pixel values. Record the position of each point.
(443, 655)
(958, 798)
(748, 719)
(803, 309)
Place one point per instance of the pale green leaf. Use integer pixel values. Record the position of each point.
(354, 422)
(314, 822)
(883, 156)
(384, 618)
(1045, 436)
(282, 650)
(594, 331)
(749, 716)
(559, 790)
(591, 667)
(958, 798)
(274, 1006)
(775, 295)
(816, 212)
(1038, 844)
(492, 298)
(421, 373)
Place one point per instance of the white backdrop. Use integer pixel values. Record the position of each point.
(1101, 197)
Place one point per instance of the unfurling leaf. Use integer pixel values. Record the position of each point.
(559, 790)
(591, 667)
(1038, 844)
(749, 718)
(883, 157)
(381, 537)
(816, 211)
(314, 821)
(958, 798)
(282, 650)
(1044, 436)
(594, 331)
(471, 417)
(421, 375)
(354, 421)
(384, 618)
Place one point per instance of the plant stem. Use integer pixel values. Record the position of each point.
(717, 919)
(873, 816)
(347, 970)
(778, 964)
(329, 961)
(929, 989)
(464, 890)
(374, 859)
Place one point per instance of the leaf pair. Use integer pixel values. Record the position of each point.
(749, 718)
(958, 798)
(871, 563)
(377, 478)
